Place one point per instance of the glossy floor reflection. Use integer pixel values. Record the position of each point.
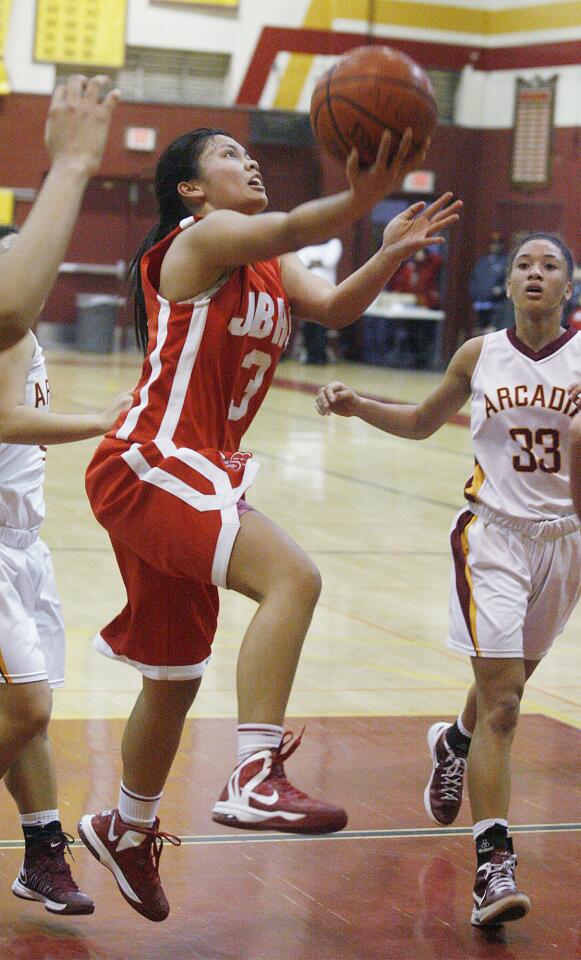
(390, 887)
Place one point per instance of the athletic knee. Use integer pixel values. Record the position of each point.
(503, 714)
(29, 724)
(304, 580)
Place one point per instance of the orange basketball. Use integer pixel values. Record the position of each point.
(365, 91)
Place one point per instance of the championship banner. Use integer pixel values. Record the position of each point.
(86, 32)
(5, 6)
(202, 3)
(532, 142)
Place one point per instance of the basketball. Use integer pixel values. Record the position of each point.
(365, 91)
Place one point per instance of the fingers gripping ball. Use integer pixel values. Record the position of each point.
(365, 91)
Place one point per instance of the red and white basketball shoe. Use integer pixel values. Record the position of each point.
(132, 855)
(258, 796)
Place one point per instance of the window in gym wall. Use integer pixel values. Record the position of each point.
(168, 76)
(444, 83)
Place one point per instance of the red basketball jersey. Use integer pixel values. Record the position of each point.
(210, 360)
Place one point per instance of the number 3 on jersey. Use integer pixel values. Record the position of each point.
(527, 461)
(256, 358)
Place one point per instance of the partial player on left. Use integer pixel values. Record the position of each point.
(32, 641)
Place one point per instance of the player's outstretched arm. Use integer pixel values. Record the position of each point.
(37, 425)
(227, 238)
(76, 133)
(338, 306)
(413, 421)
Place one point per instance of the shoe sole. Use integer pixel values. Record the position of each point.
(230, 814)
(53, 906)
(100, 852)
(514, 907)
(433, 734)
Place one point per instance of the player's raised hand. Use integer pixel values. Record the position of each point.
(420, 225)
(78, 122)
(337, 398)
(385, 175)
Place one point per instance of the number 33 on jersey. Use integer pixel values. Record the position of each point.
(521, 413)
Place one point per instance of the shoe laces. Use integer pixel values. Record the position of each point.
(277, 772)
(47, 854)
(154, 842)
(500, 876)
(452, 774)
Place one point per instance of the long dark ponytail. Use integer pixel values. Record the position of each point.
(179, 161)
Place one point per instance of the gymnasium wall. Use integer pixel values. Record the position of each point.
(275, 64)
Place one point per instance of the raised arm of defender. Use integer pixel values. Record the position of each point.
(76, 134)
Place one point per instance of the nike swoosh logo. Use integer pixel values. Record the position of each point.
(269, 799)
(112, 836)
(55, 843)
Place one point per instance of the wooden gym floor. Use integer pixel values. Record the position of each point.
(374, 512)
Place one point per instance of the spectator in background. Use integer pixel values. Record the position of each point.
(572, 316)
(321, 260)
(487, 285)
(420, 275)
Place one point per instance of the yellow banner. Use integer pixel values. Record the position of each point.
(87, 32)
(5, 6)
(6, 206)
(202, 3)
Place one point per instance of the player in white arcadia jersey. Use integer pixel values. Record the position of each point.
(516, 550)
(32, 643)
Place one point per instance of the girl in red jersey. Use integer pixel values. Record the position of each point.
(214, 288)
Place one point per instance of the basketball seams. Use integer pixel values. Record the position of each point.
(362, 111)
(389, 81)
(351, 105)
(327, 102)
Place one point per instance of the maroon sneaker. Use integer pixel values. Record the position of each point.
(496, 898)
(258, 796)
(46, 876)
(443, 794)
(132, 855)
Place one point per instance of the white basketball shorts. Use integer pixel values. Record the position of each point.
(32, 635)
(510, 594)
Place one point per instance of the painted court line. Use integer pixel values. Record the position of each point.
(402, 834)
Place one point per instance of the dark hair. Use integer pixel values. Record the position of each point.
(541, 235)
(179, 161)
(6, 229)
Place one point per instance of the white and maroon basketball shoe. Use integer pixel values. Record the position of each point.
(46, 876)
(443, 794)
(496, 898)
(258, 796)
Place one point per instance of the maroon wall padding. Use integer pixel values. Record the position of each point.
(474, 164)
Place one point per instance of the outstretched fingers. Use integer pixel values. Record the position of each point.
(326, 397)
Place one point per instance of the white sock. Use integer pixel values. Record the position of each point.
(483, 825)
(253, 737)
(462, 728)
(136, 809)
(39, 819)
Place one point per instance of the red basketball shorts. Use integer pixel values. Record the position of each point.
(172, 529)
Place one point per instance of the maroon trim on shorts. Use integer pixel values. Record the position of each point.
(459, 558)
(547, 351)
